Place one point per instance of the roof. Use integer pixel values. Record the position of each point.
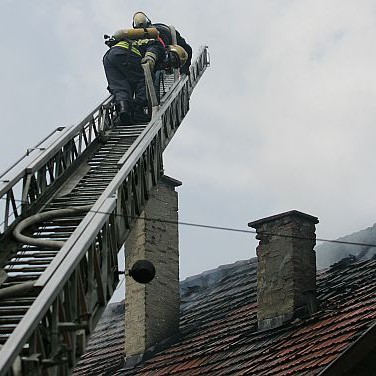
(219, 327)
(104, 351)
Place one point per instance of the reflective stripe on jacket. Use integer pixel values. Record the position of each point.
(125, 44)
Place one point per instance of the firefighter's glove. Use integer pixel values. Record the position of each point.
(149, 58)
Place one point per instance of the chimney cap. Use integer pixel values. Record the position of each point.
(171, 181)
(291, 213)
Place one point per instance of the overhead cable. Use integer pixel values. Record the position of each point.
(231, 229)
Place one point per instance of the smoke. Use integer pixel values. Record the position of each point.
(330, 253)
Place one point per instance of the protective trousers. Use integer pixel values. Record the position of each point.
(125, 78)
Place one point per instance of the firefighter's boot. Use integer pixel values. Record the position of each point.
(124, 112)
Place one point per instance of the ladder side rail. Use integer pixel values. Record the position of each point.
(46, 169)
(87, 128)
(23, 187)
(198, 68)
(14, 172)
(81, 296)
(11, 181)
(44, 172)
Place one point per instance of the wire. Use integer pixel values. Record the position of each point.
(15, 200)
(212, 227)
(120, 283)
(238, 230)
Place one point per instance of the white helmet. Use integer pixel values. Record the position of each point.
(141, 20)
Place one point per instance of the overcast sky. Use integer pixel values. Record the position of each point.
(285, 117)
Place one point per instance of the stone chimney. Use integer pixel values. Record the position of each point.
(152, 310)
(286, 271)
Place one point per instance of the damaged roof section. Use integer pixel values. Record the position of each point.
(219, 333)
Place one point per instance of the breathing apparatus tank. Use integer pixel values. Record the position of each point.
(133, 34)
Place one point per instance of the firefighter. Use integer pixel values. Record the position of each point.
(140, 20)
(125, 76)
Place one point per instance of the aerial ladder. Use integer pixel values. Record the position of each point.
(67, 207)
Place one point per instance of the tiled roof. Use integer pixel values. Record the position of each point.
(104, 352)
(219, 326)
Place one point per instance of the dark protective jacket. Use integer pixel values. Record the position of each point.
(165, 34)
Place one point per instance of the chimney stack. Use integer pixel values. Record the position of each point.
(152, 310)
(286, 271)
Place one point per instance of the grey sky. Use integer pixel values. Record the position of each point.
(283, 119)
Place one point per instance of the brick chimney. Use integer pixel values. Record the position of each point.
(152, 310)
(286, 272)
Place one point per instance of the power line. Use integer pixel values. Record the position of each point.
(231, 229)
(14, 199)
(212, 227)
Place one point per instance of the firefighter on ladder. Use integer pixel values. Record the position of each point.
(141, 21)
(129, 48)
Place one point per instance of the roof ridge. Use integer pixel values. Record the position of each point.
(213, 275)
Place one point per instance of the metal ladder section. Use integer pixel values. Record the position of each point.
(51, 297)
